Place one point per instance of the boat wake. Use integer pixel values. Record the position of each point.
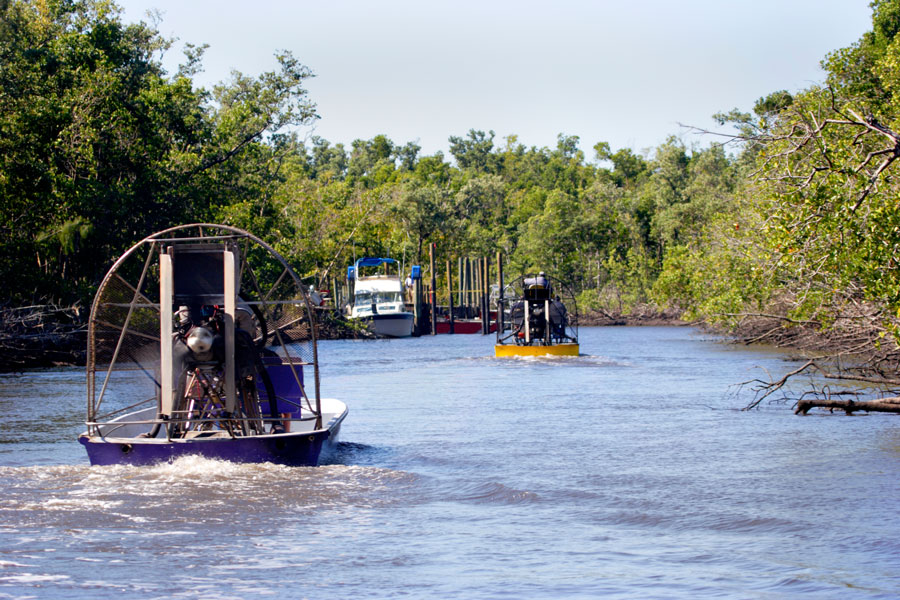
(489, 492)
(346, 453)
(191, 489)
(582, 360)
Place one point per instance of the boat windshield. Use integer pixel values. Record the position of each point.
(367, 297)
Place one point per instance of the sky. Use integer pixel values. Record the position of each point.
(627, 72)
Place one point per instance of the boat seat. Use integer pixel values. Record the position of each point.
(289, 395)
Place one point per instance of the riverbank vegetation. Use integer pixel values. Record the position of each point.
(784, 231)
(101, 146)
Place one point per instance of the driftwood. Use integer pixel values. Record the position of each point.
(854, 355)
(41, 336)
(889, 405)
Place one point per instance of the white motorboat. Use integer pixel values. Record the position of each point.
(377, 297)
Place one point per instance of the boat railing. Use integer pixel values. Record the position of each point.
(177, 421)
(105, 429)
(118, 411)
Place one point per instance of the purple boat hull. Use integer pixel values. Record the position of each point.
(293, 449)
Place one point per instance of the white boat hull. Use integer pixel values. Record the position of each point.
(396, 325)
(390, 325)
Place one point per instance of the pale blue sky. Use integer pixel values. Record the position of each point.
(625, 72)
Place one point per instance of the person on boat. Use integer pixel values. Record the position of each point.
(558, 319)
(408, 288)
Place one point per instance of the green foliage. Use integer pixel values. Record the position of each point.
(474, 151)
(627, 167)
(423, 212)
(101, 147)
(816, 237)
(721, 275)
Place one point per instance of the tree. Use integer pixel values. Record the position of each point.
(328, 162)
(474, 151)
(407, 155)
(423, 211)
(827, 224)
(627, 167)
(372, 161)
(99, 147)
(89, 129)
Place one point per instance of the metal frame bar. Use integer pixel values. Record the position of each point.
(230, 265)
(166, 327)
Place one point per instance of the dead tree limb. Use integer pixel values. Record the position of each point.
(769, 388)
(888, 405)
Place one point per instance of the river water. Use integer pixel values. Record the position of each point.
(628, 472)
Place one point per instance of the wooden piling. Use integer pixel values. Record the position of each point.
(418, 324)
(432, 296)
(500, 295)
(470, 300)
(487, 295)
(450, 295)
(459, 272)
(481, 299)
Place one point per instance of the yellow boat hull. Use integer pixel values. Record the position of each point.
(506, 350)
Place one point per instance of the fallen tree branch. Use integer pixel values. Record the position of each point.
(41, 336)
(888, 405)
(771, 388)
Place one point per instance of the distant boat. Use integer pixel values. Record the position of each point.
(539, 317)
(377, 297)
(202, 341)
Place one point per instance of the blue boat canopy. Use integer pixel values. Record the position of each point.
(374, 262)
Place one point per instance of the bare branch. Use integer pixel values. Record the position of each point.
(770, 388)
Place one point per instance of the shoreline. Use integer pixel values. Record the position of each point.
(643, 317)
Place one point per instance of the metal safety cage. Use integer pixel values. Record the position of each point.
(536, 310)
(186, 321)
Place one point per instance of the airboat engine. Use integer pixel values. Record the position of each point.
(200, 341)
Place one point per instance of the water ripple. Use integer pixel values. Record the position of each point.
(490, 492)
(465, 476)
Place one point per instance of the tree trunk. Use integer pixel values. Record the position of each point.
(891, 405)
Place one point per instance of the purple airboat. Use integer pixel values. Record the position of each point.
(202, 341)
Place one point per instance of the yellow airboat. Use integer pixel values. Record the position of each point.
(537, 316)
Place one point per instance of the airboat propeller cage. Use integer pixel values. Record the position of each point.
(162, 286)
(194, 275)
(537, 310)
